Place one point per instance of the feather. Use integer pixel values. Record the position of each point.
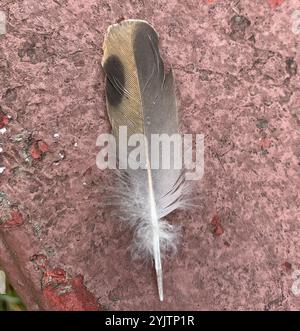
(141, 97)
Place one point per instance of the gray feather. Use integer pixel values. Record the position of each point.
(141, 97)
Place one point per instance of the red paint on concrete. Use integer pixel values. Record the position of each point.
(56, 276)
(68, 294)
(60, 291)
(265, 143)
(72, 297)
(4, 120)
(38, 149)
(275, 3)
(16, 219)
(217, 226)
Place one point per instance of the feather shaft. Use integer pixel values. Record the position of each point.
(156, 245)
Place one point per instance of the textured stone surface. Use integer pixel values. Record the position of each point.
(237, 74)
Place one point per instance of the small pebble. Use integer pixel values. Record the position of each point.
(2, 170)
(62, 154)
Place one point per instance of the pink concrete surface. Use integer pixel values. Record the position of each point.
(237, 78)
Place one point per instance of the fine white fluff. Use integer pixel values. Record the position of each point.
(133, 203)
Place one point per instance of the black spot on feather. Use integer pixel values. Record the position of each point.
(115, 80)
